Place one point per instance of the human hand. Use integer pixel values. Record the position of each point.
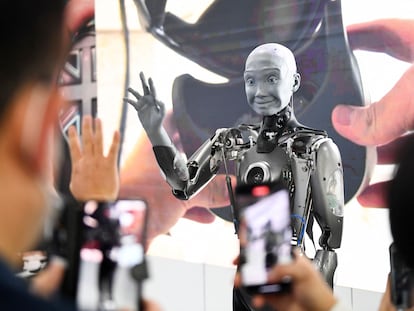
(94, 176)
(151, 112)
(48, 281)
(309, 290)
(383, 123)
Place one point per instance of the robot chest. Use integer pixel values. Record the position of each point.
(255, 168)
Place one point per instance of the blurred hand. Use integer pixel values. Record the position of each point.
(48, 281)
(94, 176)
(383, 123)
(309, 291)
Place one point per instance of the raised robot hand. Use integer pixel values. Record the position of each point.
(151, 112)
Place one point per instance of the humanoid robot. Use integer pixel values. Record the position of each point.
(279, 148)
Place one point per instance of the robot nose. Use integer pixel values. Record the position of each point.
(260, 90)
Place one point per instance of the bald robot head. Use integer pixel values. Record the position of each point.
(268, 51)
(270, 78)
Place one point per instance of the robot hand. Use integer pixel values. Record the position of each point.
(230, 140)
(151, 112)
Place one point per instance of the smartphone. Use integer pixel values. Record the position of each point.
(113, 265)
(265, 234)
(402, 281)
(131, 264)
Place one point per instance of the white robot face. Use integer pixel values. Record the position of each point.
(270, 79)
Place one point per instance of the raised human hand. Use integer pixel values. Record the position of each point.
(385, 123)
(151, 112)
(94, 176)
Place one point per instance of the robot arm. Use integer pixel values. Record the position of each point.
(185, 178)
(328, 193)
(188, 178)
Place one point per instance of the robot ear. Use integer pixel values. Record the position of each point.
(296, 82)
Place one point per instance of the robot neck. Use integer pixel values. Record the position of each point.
(272, 127)
(278, 122)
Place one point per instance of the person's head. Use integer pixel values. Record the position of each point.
(31, 53)
(270, 78)
(400, 203)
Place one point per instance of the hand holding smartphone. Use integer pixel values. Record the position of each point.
(265, 234)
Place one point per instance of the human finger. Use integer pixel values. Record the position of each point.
(150, 305)
(200, 214)
(113, 152)
(380, 122)
(374, 195)
(392, 36)
(145, 87)
(98, 139)
(389, 153)
(87, 135)
(237, 280)
(74, 144)
(258, 301)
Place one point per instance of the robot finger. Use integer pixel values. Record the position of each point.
(153, 93)
(144, 84)
(133, 103)
(135, 93)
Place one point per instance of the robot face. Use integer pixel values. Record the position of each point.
(268, 83)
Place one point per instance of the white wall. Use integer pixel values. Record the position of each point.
(186, 286)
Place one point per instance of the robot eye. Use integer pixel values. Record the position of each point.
(272, 79)
(249, 81)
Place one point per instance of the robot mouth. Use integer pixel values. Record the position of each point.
(266, 101)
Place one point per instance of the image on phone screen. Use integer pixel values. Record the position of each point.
(265, 234)
(113, 266)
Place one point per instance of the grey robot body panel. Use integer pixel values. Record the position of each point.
(255, 168)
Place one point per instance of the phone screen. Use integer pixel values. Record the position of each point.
(113, 265)
(265, 234)
(132, 215)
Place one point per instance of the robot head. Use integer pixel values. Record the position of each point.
(270, 78)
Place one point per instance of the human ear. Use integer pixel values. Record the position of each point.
(296, 82)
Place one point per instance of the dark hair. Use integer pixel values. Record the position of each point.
(401, 203)
(31, 34)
